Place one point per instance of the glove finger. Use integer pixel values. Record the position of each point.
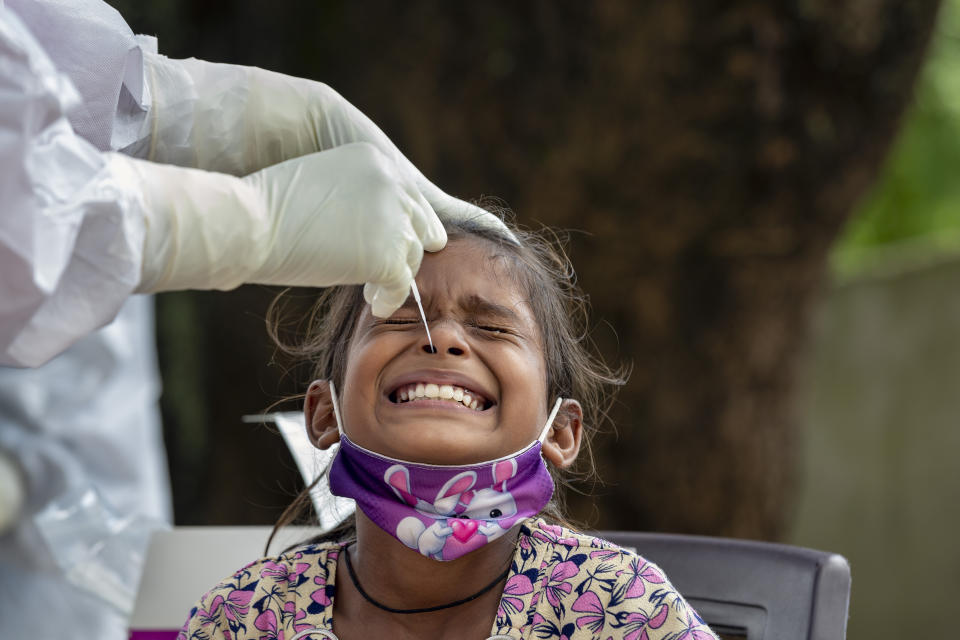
(406, 254)
(425, 221)
(454, 209)
(414, 257)
(386, 297)
(387, 294)
(369, 292)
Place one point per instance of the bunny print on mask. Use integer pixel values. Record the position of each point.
(461, 518)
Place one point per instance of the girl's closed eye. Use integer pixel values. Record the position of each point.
(479, 325)
(492, 329)
(397, 321)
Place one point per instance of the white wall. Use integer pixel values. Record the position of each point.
(881, 471)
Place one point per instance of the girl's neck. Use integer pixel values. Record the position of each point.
(400, 578)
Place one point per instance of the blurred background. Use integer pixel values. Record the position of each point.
(764, 205)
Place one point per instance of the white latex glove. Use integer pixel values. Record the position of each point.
(237, 120)
(344, 216)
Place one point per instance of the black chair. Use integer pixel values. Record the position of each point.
(752, 590)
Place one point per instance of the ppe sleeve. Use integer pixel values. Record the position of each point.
(71, 234)
(90, 43)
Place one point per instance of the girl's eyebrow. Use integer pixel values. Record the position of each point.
(480, 306)
(473, 304)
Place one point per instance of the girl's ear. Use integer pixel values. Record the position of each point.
(563, 440)
(318, 414)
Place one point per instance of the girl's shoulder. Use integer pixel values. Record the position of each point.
(290, 589)
(540, 531)
(554, 541)
(584, 586)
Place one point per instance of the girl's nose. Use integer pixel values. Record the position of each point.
(448, 339)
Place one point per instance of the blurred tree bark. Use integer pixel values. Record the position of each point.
(710, 151)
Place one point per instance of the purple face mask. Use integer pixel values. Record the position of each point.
(442, 511)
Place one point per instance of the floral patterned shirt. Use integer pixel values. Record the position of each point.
(562, 584)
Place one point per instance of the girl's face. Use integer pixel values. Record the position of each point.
(488, 349)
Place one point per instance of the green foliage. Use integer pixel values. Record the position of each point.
(913, 213)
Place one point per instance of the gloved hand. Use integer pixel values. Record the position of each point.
(237, 120)
(344, 216)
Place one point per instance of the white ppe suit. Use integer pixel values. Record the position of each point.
(68, 264)
(82, 227)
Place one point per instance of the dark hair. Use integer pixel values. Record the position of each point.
(538, 263)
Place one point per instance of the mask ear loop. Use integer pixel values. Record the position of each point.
(553, 416)
(336, 407)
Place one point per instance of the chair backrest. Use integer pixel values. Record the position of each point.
(754, 590)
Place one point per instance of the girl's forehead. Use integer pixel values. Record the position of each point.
(468, 269)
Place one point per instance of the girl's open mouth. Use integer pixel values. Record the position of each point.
(444, 392)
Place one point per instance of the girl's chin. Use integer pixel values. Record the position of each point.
(440, 445)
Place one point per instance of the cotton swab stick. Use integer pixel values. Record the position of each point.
(416, 296)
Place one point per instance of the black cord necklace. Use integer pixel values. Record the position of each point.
(438, 607)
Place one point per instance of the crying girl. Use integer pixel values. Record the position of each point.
(454, 452)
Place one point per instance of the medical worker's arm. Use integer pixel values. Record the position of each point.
(81, 230)
(218, 117)
(343, 216)
(239, 119)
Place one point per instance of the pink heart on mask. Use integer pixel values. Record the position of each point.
(463, 530)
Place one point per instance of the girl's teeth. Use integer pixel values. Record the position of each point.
(440, 391)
